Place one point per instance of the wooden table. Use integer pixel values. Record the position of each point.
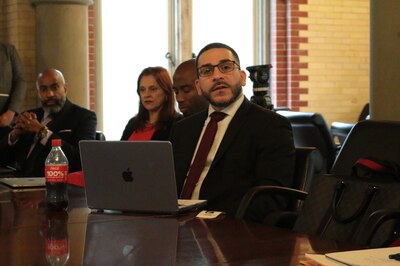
(132, 239)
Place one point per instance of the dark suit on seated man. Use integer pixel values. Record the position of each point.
(253, 146)
(29, 141)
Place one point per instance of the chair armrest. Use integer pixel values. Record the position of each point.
(6, 170)
(376, 219)
(276, 190)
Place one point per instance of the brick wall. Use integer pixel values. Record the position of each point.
(286, 46)
(92, 60)
(338, 58)
(2, 21)
(279, 57)
(322, 56)
(320, 53)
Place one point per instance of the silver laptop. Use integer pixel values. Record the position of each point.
(23, 182)
(134, 176)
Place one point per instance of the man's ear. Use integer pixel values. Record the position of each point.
(65, 88)
(197, 85)
(243, 77)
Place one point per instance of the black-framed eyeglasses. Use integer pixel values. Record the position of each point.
(224, 67)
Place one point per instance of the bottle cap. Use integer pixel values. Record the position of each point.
(56, 142)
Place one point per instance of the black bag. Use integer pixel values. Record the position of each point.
(339, 207)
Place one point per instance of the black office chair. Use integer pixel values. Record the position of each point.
(311, 130)
(369, 138)
(341, 130)
(308, 163)
(379, 139)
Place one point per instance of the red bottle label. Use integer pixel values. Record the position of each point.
(56, 246)
(56, 173)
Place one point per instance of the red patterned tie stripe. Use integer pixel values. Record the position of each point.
(201, 155)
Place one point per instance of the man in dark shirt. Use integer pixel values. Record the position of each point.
(252, 146)
(189, 101)
(29, 141)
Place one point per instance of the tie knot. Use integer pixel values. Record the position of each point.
(217, 116)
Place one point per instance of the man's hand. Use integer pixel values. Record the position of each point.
(26, 123)
(6, 118)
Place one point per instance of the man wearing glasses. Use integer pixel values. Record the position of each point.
(251, 146)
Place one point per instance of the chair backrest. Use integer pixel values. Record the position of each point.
(308, 164)
(340, 130)
(368, 138)
(100, 135)
(364, 115)
(311, 130)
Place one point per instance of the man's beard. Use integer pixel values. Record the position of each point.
(54, 108)
(236, 91)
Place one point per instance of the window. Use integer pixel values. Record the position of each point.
(229, 22)
(135, 36)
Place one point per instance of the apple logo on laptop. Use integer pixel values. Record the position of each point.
(127, 175)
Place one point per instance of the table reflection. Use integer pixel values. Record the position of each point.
(56, 237)
(137, 241)
(30, 235)
(225, 241)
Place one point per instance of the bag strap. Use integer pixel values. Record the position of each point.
(332, 213)
(340, 186)
(328, 216)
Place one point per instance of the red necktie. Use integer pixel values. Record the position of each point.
(201, 155)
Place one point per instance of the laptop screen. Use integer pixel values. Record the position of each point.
(129, 175)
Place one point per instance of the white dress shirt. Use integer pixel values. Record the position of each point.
(222, 127)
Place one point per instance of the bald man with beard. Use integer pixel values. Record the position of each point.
(29, 141)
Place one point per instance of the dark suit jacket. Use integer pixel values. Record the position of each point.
(257, 149)
(72, 124)
(160, 134)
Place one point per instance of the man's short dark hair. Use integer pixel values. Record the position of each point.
(217, 45)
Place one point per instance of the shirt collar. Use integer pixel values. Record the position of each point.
(46, 114)
(231, 109)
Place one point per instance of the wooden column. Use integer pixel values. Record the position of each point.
(385, 62)
(62, 43)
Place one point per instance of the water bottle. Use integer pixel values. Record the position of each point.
(56, 170)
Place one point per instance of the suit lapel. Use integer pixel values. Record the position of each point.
(234, 126)
(196, 128)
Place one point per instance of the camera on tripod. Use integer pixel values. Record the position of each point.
(259, 75)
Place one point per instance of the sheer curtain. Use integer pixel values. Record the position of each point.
(135, 36)
(229, 22)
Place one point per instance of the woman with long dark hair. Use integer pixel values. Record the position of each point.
(156, 107)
